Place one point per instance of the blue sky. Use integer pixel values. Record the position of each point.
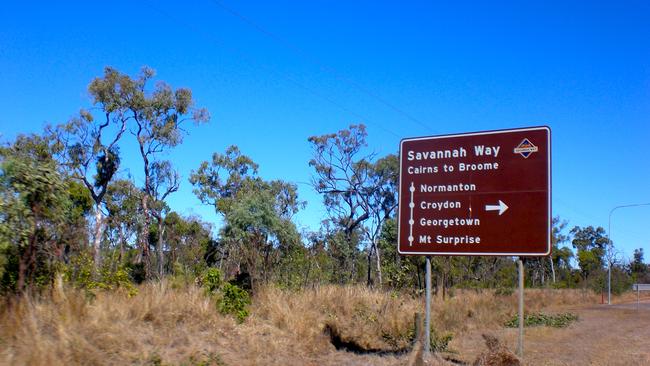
(274, 73)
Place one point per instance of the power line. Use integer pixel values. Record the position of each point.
(298, 50)
(286, 76)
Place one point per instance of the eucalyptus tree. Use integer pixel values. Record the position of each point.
(639, 270)
(217, 182)
(90, 145)
(341, 171)
(124, 214)
(165, 181)
(89, 142)
(156, 118)
(359, 193)
(259, 222)
(590, 244)
(191, 246)
(380, 198)
(257, 213)
(559, 255)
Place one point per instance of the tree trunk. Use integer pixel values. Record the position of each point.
(144, 236)
(122, 240)
(369, 281)
(99, 228)
(552, 270)
(378, 260)
(161, 255)
(27, 257)
(542, 268)
(444, 285)
(22, 272)
(265, 264)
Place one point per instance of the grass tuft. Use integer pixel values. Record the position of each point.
(540, 319)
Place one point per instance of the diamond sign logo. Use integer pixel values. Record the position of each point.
(526, 148)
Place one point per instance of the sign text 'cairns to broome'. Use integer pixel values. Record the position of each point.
(482, 193)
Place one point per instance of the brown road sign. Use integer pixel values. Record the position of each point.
(482, 193)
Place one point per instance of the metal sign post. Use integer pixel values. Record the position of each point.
(520, 344)
(427, 319)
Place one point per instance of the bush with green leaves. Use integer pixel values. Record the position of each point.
(540, 319)
(81, 273)
(211, 280)
(234, 301)
(230, 299)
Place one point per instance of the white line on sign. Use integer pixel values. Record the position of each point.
(411, 221)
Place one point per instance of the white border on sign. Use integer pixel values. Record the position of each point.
(514, 254)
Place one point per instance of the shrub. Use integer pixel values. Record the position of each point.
(541, 319)
(211, 280)
(234, 301)
(82, 274)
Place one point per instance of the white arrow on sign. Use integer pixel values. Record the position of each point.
(501, 207)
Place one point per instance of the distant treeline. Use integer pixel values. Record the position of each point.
(67, 211)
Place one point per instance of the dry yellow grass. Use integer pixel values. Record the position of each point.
(112, 329)
(371, 319)
(164, 325)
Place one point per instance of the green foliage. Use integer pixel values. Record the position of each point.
(258, 226)
(4, 260)
(158, 116)
(399, 271)
(124, 215)
(639, 269)
(137, 271)
(540, 319)
(591, 244)
(37, 215)
(211, 280)
(234, 301)
(9, 257)
(190, 244)
(230, 299)
(217, 182)
(621, 280)
(81, 273)
(295, 268)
